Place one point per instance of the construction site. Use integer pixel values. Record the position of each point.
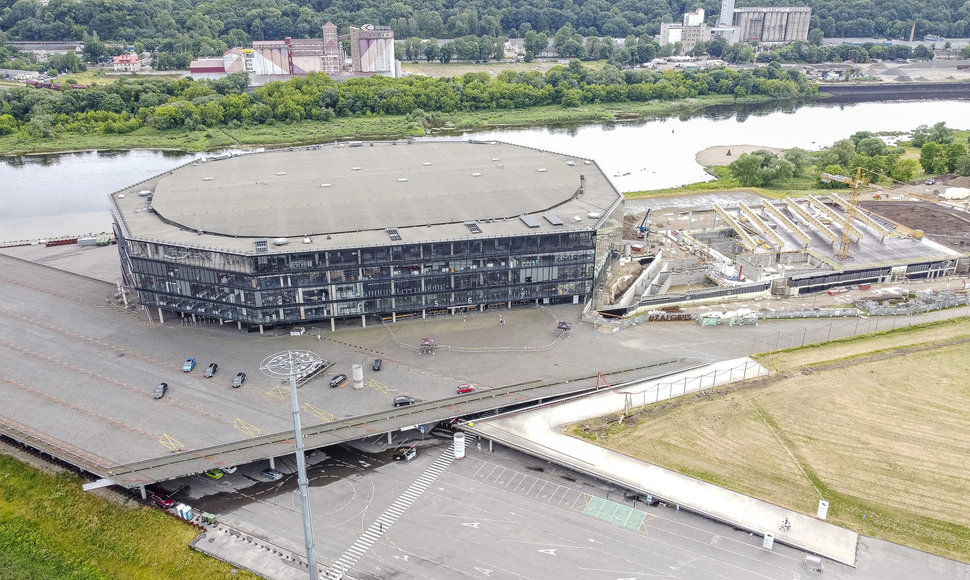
(735, 246)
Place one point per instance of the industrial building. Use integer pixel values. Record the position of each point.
(372, 52)
(348, 231)
(767, 26)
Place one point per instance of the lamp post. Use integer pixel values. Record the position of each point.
(290, 364)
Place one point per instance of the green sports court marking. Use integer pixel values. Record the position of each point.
(614, 513)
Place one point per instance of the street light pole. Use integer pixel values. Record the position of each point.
(289, 364)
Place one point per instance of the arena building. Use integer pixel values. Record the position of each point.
(382, 229)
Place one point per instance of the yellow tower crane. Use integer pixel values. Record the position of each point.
(843, 251)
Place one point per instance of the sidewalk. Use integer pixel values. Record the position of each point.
(538, 432)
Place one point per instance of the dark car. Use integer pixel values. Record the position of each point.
(162, 502)
(378, 363)
(338, 380)
(406, 454)
(403, 401)
(160, 390)
(210, 370)
(238, 380)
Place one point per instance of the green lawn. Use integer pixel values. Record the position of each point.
(50, 528)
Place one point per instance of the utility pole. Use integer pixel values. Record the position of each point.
(290, 364)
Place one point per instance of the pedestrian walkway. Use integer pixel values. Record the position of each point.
(374, 532)
(538, 432)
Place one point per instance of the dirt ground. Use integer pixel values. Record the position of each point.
(942, 224)
(725, 154)
(879, 427)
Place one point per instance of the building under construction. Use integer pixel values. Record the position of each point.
(788, 247)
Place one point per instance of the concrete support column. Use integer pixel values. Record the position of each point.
(272, 463)
(390, 437)
(508, 304)
(239, 324)
(363, 321)
(481, 308)
(144, 495)
(490, 448)
(193, 318)
(161, 317)
(261, 329)
(394, 317)
(333, 325)
(424, 313)
(221, 322)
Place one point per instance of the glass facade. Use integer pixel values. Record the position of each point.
(397, 279)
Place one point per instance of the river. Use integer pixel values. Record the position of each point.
(66, 194)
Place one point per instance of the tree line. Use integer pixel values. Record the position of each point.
(940, 152)
(129, 104)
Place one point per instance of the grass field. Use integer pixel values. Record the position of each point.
(879, 426)
(49, 528)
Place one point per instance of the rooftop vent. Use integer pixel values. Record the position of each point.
(261, 246)
(552, 218)
(326, 185)
(476, 174)
(208, 178)
(355, 168)
(594, 215)
(121, 196)
(280, 241)
(541, 170)
(145, 192)
(473, 227)
(426, 163)
(529, 220)
(307, 240)
(570, 163)
(393, 234)
(280, 173)
(402, 179)
(496, 158)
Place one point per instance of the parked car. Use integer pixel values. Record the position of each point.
(214, 474)
(160, 390)
(930, 182)
(462, 389)
(189, 365)
(162, 502)
(403, 401)
(272, 474)
(378, 363)
(230, 469)
(337, 380)
(238, 380)
(210, 370)
(405, 454)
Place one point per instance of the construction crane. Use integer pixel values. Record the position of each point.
(642, 229)
(843, 252)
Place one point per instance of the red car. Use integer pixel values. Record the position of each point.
(462, 389)
(162, 502)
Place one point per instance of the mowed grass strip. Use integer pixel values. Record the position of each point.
(50, 528)
(878, 426)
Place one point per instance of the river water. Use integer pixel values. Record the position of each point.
(55, 195)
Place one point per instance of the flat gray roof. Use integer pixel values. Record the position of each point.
(354, 192)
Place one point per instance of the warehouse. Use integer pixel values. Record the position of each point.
(381, 229)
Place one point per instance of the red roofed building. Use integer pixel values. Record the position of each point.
(126, 63)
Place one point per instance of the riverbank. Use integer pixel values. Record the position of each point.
(355, 128)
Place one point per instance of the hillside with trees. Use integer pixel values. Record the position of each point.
(208, 27)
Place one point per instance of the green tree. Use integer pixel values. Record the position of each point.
(929, 156)
(953, 153)
(843, 150)
(800, 160)
(905, 169)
